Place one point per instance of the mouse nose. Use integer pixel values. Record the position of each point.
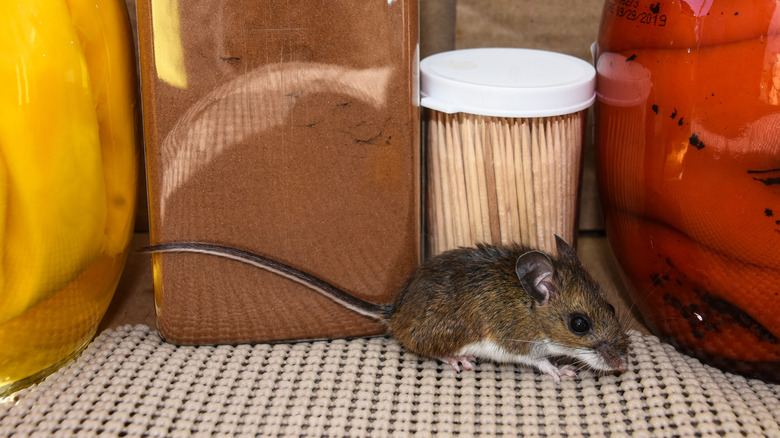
(614, 359)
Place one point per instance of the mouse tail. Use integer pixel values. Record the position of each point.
(365, 308)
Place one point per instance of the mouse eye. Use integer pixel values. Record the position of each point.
(579, 324)
(611, 309)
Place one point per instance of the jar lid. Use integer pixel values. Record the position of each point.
(506, 82)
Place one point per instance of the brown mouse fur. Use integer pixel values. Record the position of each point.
(468, 296)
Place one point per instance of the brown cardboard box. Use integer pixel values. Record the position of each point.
(290, 130)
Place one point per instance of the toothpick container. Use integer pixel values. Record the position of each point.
(504, 132)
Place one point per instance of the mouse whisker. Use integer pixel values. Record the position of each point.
(624, 313)
(625, 316)
(666, 319)
(630, 324)
(626, 321)
(649, 291)
(581, 365)
(663, 322)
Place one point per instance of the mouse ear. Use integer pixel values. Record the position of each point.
(535, 271)
(565, 251)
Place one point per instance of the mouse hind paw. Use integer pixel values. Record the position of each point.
(456, 362)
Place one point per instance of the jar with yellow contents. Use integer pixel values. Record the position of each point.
(68, 134)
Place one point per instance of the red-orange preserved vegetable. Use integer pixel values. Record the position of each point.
(688, 134)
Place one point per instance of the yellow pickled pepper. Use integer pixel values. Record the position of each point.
(65, 121)
(104, 30)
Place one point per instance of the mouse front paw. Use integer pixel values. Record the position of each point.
(556, 373)
(457, 361)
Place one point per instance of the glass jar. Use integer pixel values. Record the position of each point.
(688, 138)
(68, 141)
(288, 129)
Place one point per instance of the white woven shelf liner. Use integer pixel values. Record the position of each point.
(129, 382)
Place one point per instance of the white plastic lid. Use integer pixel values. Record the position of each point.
(506, 82)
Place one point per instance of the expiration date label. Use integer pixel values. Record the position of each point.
(642, 12)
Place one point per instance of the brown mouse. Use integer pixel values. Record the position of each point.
(501, 303)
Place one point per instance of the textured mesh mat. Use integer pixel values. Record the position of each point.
(129, 382)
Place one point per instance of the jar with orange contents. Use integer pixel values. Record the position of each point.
(688, 138)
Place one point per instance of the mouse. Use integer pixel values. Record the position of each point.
(502, 303)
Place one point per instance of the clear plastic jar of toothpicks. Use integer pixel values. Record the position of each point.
(504, 132)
